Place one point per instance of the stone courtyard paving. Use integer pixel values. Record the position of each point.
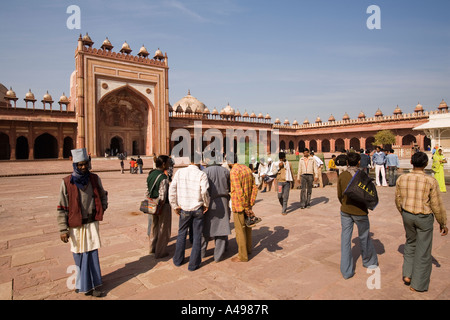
(295, 257)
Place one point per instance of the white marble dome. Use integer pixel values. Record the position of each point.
(189, 102)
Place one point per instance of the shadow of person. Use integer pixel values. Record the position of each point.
(356, 249)
(401, 249)
(318, 200)
(314, 201)
(264, 238)
(128, 271)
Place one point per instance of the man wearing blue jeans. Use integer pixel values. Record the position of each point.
(194, 220)
(354, 213)
(189, 198)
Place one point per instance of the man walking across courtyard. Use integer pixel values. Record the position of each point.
(392, 164)
(419, 201)
(353, 212)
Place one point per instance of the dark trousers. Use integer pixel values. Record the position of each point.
(283, 194)
(189, 220)
(306, 185)
(392, 176)
(417, 260)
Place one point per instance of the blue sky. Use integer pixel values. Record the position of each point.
(291, 59)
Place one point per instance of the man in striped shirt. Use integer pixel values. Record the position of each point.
(189, 198)
(243, 196)
(417, 198)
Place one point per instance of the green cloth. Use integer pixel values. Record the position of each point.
(152, 175)
(438, 169)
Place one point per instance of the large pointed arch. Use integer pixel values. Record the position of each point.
(126, 112)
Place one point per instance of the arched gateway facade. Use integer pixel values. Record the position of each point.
(120, 103)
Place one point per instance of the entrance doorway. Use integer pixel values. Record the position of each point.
(116, 145)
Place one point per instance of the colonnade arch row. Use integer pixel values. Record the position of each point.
(44, 146)
(339, 143)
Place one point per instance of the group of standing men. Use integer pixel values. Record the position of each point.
(201, 198)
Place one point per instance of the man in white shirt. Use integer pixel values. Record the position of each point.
(189, 198)
(379, 160)
(269, 175)
(319, 164)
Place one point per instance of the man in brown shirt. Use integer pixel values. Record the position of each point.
(354, 213)
(417, 198)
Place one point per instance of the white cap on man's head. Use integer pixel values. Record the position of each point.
(79, 155)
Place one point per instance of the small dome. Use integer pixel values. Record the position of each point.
(245, 115)
(318, 120)
(125, 48)
(331, 118)
(398, 110)
(443, 105)
(228, 110)
(346, 117)
(143, 52)
(418, 108)
(106, 45)
(260, 116)
(286, 122)
(295, 123)
(206, 111)
(378, 113)
(267, 117)
(87, 41)
(170, 108)
(158, 55)
(47, 97)
(10, 94)
(277, 121)
(215, 111)
(63, 99)
(30, 96)
(191, 102)
(237, 114)
(361, 115)
(306, 121)
(253, 115)
(188, 110)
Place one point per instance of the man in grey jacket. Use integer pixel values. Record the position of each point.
(216, 223)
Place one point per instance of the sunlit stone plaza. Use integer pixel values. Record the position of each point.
(295, 256)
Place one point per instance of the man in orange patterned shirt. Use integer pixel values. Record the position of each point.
(243, 196)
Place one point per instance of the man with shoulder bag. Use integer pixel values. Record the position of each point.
(353, 212)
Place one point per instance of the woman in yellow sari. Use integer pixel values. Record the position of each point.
(438, 168)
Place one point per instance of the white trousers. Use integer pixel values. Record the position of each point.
(380, 168)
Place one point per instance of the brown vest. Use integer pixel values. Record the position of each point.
(75, 217)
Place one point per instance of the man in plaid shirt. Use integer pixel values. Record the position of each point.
(243, 196)
(417, 198)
